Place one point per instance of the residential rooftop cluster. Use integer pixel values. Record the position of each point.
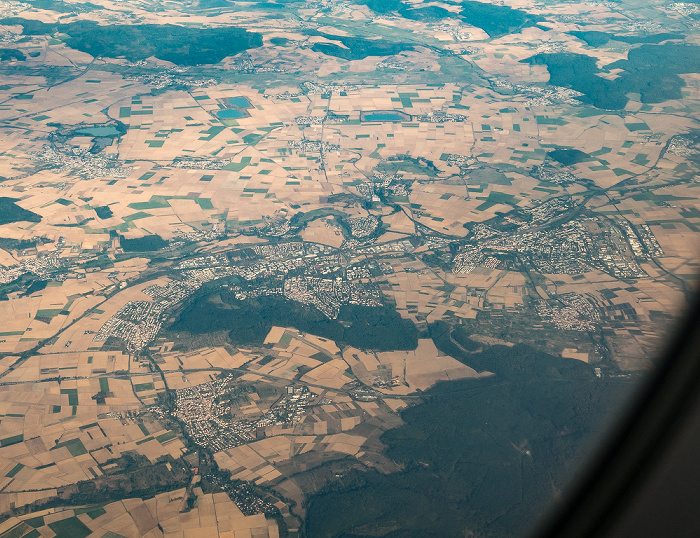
(440, 118)
(463, 161)
(244, 64)
(552, 208)
(313, 146)
(363, 226)
(171, 77)
(313, 88)
(41, 266)
(328, 295)
(206, 412)
(245, 497)
(216, 231)
(9, 9)
(467, 260)
(685, 8)
(569, 311)
(138, 322)
(551, 174)
(459, 32)
(83, 163)
(206, 415)
(540, 95)
(680, 145)
(200, 163)
(572, 248)
(309, 120)
(276, 226)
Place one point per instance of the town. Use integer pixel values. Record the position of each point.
(212, 417)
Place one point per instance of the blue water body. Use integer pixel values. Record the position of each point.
(383, 116)
(106, 130)
(229, 113)
(241, 102)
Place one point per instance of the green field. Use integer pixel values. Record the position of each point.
(141, 387)
(12, 440)
(93, 512)
(71, 527)
(48, 312)
(104, 384)
(72, 396)
(237, 167)
(16, 469)
(163, 437)
(74, 446)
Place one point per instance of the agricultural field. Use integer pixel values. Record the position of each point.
(259, 261)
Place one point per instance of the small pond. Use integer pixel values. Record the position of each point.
(240, 102)
(383, 116)
(98, 131)
(229, 113)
